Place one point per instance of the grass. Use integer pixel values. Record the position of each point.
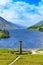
(6, 56)
(30, 60)
(5, 59)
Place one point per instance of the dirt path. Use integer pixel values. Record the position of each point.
(15, 60)
(34, 52)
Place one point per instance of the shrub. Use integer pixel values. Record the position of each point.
(4, 34)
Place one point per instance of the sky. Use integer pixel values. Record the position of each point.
(22, 12)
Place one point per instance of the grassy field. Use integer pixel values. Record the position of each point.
(7, 56)
(30, 60)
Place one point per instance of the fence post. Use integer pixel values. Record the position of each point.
(20, 47)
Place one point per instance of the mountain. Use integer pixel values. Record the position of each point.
(41, 22)
(4, 24)
(38, 26)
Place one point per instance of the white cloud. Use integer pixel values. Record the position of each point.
(21, 12)
(4, 2)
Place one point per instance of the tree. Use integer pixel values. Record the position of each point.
(41, 29)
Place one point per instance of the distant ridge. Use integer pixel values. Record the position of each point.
(41, 22)
(37, 26)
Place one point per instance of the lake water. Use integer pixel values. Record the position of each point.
(30, 39)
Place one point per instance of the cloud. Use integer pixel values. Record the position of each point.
(21, 12)
(4, 2)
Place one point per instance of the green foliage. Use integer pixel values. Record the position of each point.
(40, 29)
(33, 28)
(36, 27)
(4, 34)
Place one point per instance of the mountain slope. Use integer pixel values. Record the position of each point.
(4, 24)
(38, 26)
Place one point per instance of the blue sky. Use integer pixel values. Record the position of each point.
(22, 12)
(36, 2)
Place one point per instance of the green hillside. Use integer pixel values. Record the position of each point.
(36, 27)
(4, 34)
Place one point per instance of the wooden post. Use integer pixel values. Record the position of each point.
(20, 47)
